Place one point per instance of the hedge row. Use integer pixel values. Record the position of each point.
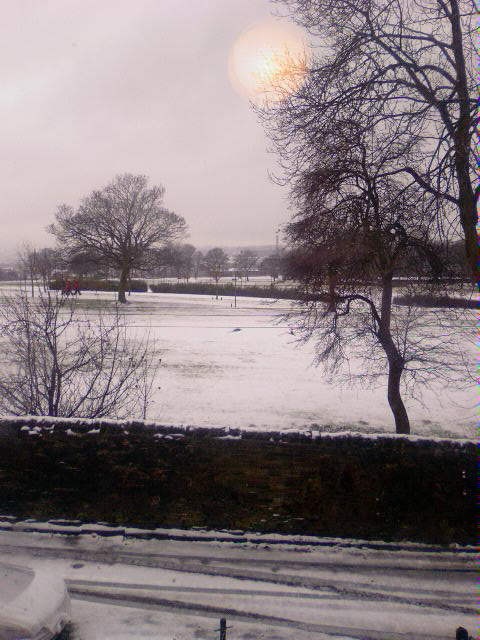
(211, 289)
(93, 284)
(390, 488)
(423, 300)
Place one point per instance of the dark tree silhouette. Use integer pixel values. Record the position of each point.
(183, 264)
(197, 263)
(354, 230)
(215, 262)
(245, 261)
(273, 265)
(401, 64)
(119, 223)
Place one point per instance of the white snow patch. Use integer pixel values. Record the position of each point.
(259, 378)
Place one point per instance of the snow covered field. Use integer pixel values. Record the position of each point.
(238, 367)
(172, 590)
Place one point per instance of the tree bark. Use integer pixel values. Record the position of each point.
(468, 216)
(462, 142)
(396, 362)
(122, 287)
(395, 370)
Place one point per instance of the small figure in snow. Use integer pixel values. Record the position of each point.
(76, 288)
(67, 289)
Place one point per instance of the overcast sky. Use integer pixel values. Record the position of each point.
(91, 89)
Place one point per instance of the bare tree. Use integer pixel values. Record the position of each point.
(183, 260)
(273, 265)
(119, 223)
(47, 260)
(354, 231)
(28, 266)
(197, 263)
(85, 263)
(8, 274)
(402, 64)
(215, 262)
(245, 262)
(59, 362)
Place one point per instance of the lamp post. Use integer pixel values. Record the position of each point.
(235, 289)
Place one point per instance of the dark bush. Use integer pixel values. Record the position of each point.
(390, 488)
(93, 284)
(205, 288)
(425, 300)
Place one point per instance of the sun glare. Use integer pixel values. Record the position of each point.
(268, 61)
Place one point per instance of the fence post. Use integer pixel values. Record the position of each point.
(223, 629)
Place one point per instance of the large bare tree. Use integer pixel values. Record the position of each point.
(402, 64)
(354, 230)
(119, 223)
(57, 361)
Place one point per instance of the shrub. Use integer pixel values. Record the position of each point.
(205, 288)
(93, 284)
(428, 300)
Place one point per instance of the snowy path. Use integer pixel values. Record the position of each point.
(170, 589)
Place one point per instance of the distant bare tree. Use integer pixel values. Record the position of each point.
(183, 260)
(84, 263)
(58, 362)
(119, 223)
(408, 65)
(272, 265)
(215, 262)
(8, 274)
(197, 263)
(245, 261)
(47, 260)
(27, 266)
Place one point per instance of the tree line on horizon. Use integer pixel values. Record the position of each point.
(175, 260)
(183, 261)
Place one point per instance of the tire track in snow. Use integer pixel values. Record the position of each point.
(159, 561)
(148, 602)
(76, 585)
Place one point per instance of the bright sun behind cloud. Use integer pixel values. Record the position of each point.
(268, 61)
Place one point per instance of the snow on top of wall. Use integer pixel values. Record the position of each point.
(221, 536)
(35, 424)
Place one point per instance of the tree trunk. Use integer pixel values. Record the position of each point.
(395, 370)
(462, 142)
(332, 284)
(468, 214)
(395, 360)
(122, 287)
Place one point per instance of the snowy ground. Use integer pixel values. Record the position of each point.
(226, 366)
(179, 590)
